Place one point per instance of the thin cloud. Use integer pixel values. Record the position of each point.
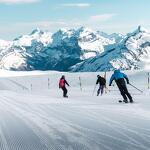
(18, 1)
(13, 30)
(80, 5)
(102, 17)
(41, 24)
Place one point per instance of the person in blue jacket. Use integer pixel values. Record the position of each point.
(119, 79)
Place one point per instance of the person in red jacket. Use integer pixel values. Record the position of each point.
(62, 85)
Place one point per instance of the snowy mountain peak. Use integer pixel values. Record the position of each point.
(141, 29)
(62, 30)
(132, 52)
(94, 50)
(84, 29)
(36, 35)
(62, 34)
(36, 31)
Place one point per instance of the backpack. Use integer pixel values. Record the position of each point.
(62, 83)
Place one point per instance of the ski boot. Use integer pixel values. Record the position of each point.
(131, 101)
(125, 101)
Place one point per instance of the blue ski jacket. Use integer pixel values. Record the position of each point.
(118, 75)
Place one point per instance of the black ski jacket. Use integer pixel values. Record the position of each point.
(101, 80)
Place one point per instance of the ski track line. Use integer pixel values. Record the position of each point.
(113, 127)
(18, 84)
(100, 143)
(115, 138)
(10, 139)
(9, 102)
(123, 127)
(77, 127)
(106, 123)
(96, 132)
(44, 138)
(3, 142)
(126, 135)
(103, 145)
(126, 129)
(146, 130)
(128, 124)
(95, 114)
(45, 141)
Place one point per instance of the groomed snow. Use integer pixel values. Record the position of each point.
(34, 116)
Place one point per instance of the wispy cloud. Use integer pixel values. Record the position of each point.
(41, 24)
(18, 1)
(80, 5)
(102, 17)
(13, 30)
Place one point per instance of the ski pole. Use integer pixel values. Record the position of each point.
(107, 88)
(136, 88)
(94, 90)
(80, 84)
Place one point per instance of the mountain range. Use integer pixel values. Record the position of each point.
(76, 50)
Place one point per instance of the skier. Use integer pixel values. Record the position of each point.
(102, 83)
(119, 79)
(62, 85)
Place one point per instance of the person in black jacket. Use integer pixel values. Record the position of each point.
(102, 83)
(62, 85)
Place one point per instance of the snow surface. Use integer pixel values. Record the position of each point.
(34, 116)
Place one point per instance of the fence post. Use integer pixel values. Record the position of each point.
(148, 80)
(105, 84)
(80, 83)
(48, 83)
(31, 87)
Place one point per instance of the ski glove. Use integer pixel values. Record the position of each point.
(109, 84)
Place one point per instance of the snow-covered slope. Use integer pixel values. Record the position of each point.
(34, 116)
(132, 52)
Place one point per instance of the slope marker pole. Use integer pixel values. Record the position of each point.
(148, 80)
(80, 83)
(94, 90)
(48, 83)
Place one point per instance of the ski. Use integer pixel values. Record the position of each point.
(121, 101)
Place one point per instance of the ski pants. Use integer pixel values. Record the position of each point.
(100, 90)
(123, 89)
(64, 91)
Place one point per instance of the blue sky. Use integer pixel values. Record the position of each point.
(22, 16)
